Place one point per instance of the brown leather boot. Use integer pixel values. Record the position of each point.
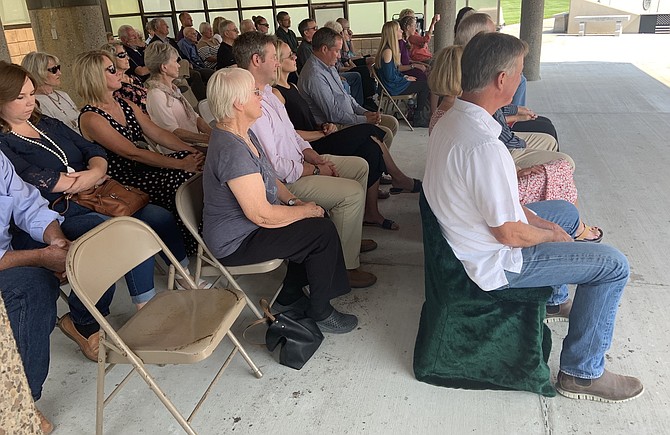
(609, 387)
(45, 424)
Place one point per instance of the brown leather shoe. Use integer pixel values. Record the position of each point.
(360, 279)
(45, 424)
(368, 245)
(89, 347)
(559, 313)
(609, 387)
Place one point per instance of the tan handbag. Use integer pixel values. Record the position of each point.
(111, 198)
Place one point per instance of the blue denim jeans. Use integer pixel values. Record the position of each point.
(600, 272)
(30, 295)
(355, 85)
(140, 280)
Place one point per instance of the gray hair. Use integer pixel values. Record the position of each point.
(223, 24)
(156, 55)
(248, 44)
(153, 24)
(110, 47)
(486, 56)
(325, 36)
(471, 25)
(335, 25)
(247, 25)
(124, 32)
(204, 26)
(36, 63)
(226, 87)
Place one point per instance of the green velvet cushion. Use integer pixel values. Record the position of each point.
(469, 338)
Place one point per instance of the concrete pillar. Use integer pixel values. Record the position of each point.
(4, 50)
(532, 15)
(66, 28)
(444, 30)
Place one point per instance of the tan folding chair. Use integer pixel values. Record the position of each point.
(175, 327)
(190, 203)
(386, 99)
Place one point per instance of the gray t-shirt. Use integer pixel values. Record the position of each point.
(224, 224)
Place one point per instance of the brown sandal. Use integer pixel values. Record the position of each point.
(587, 229)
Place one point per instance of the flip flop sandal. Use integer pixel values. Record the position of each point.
(415, 189)
(582, 237)
(388, 224)
(383, 194)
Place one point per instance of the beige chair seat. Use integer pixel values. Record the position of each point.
(167, 330)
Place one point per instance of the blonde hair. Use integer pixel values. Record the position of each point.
(389, 40)
(472, 25)
(406, 13)
(445, 76)
(278, 46)
(91, 84)
(36, 63)
(215, 24)
(156, 55)
(226, 87)
(110, 47)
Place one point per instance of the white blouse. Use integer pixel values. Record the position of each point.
(59, 105)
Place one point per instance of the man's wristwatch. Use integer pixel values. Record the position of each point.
(292, 201)
(317, 171)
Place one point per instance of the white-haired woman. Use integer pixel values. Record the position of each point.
(166, 105)
(46, 71)
(208, 46)
(250, 216)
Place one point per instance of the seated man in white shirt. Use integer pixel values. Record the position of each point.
(336, 183)
(471, 186)
(320, 86)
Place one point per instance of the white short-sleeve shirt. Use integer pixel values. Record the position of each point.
(471, 185)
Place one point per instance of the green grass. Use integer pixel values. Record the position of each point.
(512, 9)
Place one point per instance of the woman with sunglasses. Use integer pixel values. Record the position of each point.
(131, 88)
(46, 71)
(166, 106)
(261, 24)
(250, 216)
(58, 161)
(117, 125)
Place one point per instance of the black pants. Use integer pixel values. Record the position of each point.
(420, 88)
(369, 84)
(541, 124)
(356, 141)
(197, 84)
(313, 249)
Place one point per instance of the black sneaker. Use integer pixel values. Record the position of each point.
(338, 323)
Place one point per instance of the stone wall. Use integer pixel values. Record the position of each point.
(20, 42)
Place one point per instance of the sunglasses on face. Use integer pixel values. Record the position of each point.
(111, 69)
(264, 24)
(178, 59)
(121, 55)
(54, 69)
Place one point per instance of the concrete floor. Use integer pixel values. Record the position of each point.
(606, 96)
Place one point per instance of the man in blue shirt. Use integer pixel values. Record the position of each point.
(30, 279)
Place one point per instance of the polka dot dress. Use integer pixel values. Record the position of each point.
(160, 183)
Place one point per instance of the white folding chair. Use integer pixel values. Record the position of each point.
(175, 327)
(189, 201)
(386, 99)
(205, 112)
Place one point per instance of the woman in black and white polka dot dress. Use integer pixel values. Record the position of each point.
(117, 124)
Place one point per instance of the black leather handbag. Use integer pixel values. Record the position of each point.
(298, 335)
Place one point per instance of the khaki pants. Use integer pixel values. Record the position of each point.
(388, 123)
(540, 148)
(344, 199)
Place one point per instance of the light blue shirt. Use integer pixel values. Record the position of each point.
(24, 203)
(320, 85)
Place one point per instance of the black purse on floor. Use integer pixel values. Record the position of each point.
(298, 335)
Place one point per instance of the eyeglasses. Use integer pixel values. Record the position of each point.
(313, 28)
(111, 69)
(233, 30)
(264, 24)
(257, 92)
(121, 55)
(54, 69)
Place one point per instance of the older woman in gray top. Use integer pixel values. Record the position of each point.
(250, 216)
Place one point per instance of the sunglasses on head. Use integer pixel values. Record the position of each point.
(111, 69)
(54, 69)
(121, 55)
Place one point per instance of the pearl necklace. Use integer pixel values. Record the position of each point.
(60, 154)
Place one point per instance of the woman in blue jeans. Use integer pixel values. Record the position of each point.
(56, 160)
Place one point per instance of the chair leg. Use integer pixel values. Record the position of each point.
(402, 114)
(100, 396)
(211, 384)
(245, 355)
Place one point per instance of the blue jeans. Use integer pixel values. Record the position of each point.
(355, 85)
(30, 295)
(140, 280)
(519, 97)
(600, 272)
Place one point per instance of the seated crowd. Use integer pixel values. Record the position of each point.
(292, 166)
